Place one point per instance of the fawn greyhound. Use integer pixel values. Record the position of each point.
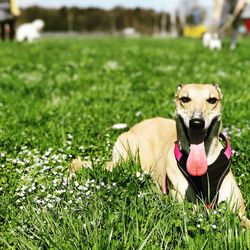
(188, 157)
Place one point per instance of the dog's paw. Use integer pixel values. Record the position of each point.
(245, 222)
(110, 166)
(76, 165)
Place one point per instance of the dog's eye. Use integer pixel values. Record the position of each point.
(212, 100)
(185, 99)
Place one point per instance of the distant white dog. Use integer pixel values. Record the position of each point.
(30, 31)
(206, 39)
(215, 42)
(212, 41)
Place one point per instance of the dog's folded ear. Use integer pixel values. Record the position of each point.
(217, 86)
(179, 87)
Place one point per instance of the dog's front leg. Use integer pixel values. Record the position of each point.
(176, 195)
(180, 187)
(231, 193)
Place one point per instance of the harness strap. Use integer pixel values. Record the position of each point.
(208, 185)
(227, 150)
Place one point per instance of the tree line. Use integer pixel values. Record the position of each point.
(145, 21)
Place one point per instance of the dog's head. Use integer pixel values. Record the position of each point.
(198, 112)
(38, 24)
(198, 106)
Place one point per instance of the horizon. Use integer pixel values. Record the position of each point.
(158, 5)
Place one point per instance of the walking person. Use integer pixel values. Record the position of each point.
(227, 14)
(8, 11)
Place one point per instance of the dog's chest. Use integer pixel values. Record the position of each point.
(207, 186)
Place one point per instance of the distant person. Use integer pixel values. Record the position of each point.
(230, 18)
(226, 16)
(8, 11)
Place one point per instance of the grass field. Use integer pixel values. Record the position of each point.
(59, 100)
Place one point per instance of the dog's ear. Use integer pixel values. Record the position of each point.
(217, 86)
(178, 89)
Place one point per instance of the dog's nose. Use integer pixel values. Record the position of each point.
(196, 124)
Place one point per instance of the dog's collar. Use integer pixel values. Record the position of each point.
(207, 186)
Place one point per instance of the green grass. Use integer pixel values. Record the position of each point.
(58, 101)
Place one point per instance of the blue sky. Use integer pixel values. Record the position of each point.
(156, 4)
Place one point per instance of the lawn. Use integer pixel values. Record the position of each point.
(59, 100)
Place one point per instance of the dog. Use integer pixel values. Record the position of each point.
(187, 157)
(206, 38)
(215, 42)
(211, 41)
(30, 31)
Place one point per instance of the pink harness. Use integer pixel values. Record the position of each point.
(208, 185)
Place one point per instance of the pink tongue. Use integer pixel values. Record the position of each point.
(197, 161)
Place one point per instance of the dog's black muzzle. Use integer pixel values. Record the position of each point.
(197, 124)
(196, 132)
